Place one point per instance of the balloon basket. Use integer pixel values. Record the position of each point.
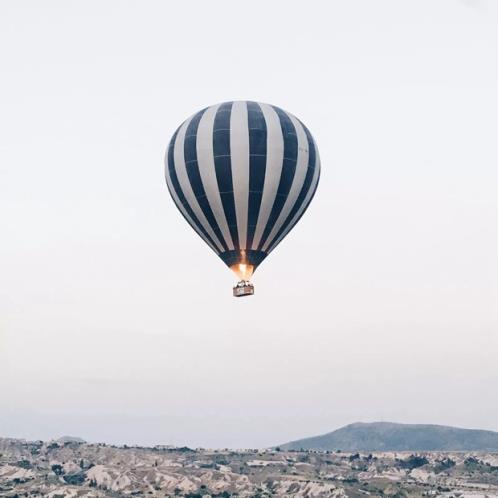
(243, 288)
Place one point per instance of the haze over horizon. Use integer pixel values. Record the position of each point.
(370, 428)
(381, 303)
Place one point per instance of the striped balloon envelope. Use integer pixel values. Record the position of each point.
(242, 174)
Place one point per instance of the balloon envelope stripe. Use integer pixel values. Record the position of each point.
(257, 165)
(302, 194)
(185, 185)
(303, 206)
(273, 169)
(239, 148)
(287, 172)
(194, 175)
(179, 198)
(207, 169)
(223, 165)
(297, 181)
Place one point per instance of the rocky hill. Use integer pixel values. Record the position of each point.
(78, 470)
(386, 436)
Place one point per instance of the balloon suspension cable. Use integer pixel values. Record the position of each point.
(243, 288)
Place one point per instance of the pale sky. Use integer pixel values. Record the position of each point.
(380, 305)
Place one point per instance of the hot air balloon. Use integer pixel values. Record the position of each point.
(242, 174)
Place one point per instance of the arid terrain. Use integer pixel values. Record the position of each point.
(64, 469)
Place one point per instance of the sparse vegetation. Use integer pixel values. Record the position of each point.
(112, 471)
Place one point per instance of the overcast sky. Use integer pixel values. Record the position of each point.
(380, 305)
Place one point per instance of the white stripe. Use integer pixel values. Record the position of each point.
(181, 173)
(205, 160)
(274, 163)
(239, 149)
(297, 181)
(180, 206)
(305, 203)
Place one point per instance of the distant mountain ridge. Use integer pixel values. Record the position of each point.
(387, 436)
(70, 439)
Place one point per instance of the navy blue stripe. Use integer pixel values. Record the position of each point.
(306, 207)
(194, 176)
(287, 174)
(223, 167)
(304, 190)
(257, 165)
(179, 192)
